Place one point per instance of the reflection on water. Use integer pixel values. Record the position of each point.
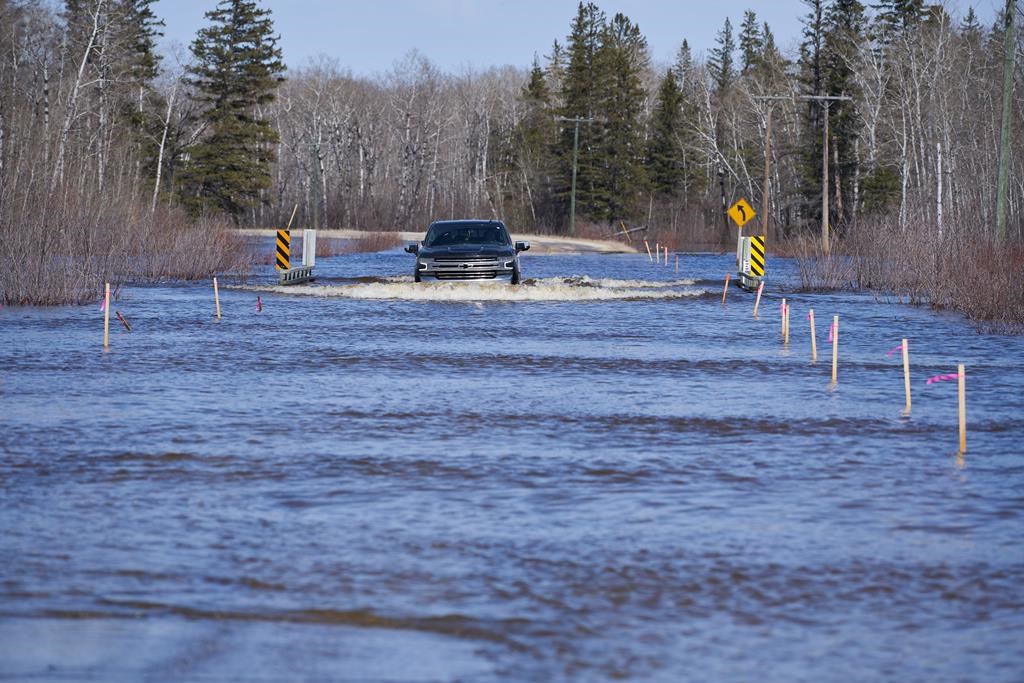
(601, 474)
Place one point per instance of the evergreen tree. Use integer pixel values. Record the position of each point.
(812, 82)
(534, 139)
(751, 42)
(811, 47)
(845, 29)
(142, 30)
(893, 17)
(620, 173)
(579, 95)
(683, 68)
(555, 72)
(664, 151)
(970, 23)
(771, 64)
(970, 26)
(603, 87)
(720, 63)
(537, 91)
(237, 70)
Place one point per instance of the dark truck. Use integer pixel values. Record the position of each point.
(467, 250)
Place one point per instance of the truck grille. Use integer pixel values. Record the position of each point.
(467, 266)
(465, 275)
(465, 259)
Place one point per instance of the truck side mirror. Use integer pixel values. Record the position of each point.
(412, 248)
(522, 246)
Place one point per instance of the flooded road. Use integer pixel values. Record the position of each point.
(603, 474)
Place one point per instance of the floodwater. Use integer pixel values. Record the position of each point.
(603, 474)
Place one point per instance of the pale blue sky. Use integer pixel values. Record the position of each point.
(369, 36)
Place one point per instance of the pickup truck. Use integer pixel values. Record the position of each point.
(467, 250)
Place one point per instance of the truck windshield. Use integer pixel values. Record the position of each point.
(477, 233)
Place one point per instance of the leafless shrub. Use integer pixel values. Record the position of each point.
(820, 272)
(60, 248)
(976, 275)
(330, 246)
(372, 241)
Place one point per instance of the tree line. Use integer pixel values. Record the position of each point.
(94, 110)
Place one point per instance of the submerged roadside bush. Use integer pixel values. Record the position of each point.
(978, 276)
(371, 241)
(61, 248)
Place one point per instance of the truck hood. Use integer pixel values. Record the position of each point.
(495, 250)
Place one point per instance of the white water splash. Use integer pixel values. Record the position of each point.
(580, 288)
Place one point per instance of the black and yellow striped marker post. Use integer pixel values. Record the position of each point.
(284, 244)
(757, 255)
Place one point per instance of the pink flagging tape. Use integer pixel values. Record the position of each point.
(831, 327)
(259, 304)
(894, 350)
(103, 303)
(943, 378)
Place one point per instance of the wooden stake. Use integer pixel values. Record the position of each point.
(649, 257)
(906, 375)
(666, 256)
(814, 342)
(289, 226)
(782, 315)
(677, 263)
(962, 385)
(835, 348)
(757, 301)
(123, 321)
(786, 339)
(216, 297)
(657, 252)
(106, 315)
(726, 288)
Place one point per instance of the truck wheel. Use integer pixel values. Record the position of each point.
(515, 276)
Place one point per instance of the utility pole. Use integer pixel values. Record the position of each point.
(575, 155)
(770, 99)
(1004, 130)
(826, 102)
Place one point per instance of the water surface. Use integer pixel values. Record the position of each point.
(601, 474)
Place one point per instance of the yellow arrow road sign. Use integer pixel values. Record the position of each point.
(741, 212)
